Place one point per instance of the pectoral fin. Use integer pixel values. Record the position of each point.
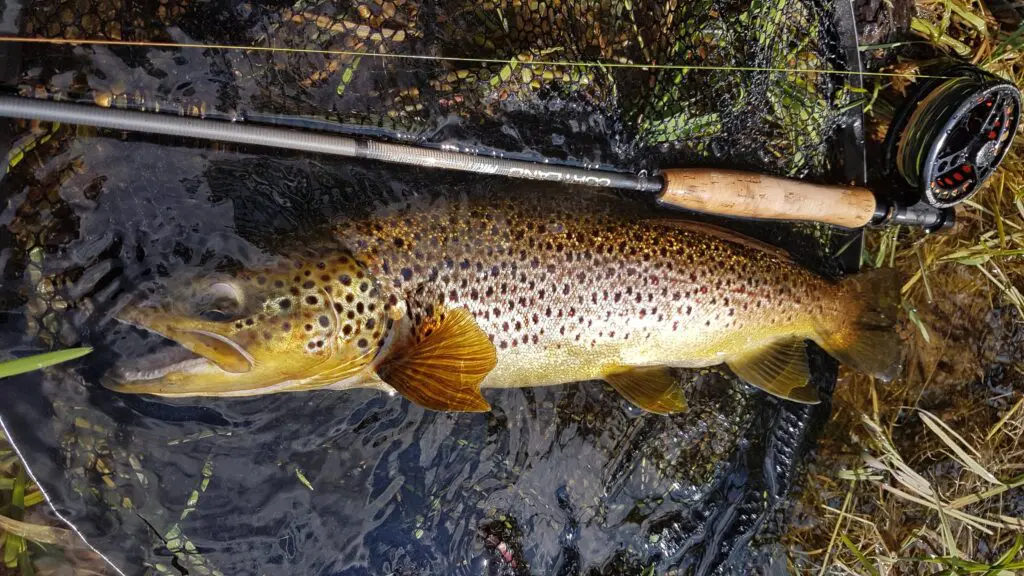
(779, 368)
(652, 389)
(443, 368)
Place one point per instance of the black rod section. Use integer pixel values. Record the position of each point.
(305, 141)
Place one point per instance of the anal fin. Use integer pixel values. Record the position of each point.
(443, 368)
(779, 368)
(653, 389)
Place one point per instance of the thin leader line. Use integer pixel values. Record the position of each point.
(424, 57)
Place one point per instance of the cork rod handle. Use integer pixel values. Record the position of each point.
(749, 195)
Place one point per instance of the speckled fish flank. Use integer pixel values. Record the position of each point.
(542, 290)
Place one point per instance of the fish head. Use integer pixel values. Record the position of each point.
(297, 324)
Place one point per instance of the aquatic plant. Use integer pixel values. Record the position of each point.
(17, 493)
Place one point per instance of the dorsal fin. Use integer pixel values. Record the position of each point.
(724, 234)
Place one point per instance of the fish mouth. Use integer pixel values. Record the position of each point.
(130, 372)
(188, 353)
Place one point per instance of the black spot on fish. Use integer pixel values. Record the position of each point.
(312, 300)
(324, 321)
(346, 330)
(362, 343)
(308, 284)
(350, 298)
(351, 314)
(278, 284)
(399, 243)
(261, 280)
(345, 280)
(359, 308)
(308, 327)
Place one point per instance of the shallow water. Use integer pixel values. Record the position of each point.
(560, 480)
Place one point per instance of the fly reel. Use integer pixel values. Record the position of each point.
(951, 135)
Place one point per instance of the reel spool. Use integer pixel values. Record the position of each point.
(952, 135)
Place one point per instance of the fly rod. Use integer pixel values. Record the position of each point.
(719, 192)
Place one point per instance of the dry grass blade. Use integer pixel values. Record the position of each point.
(973, 521)
(958, 445)
(37, 532)
(975, 498)
(1005, 418)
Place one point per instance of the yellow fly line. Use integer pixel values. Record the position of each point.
(526, 62)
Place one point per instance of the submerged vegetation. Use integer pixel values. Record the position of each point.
(19, 496)
(924, 475)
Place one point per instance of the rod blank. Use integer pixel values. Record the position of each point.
(304, 141)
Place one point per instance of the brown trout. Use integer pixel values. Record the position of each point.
(438, 300)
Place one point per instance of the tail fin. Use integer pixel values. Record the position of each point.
(865, 338)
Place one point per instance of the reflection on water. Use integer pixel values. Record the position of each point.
(561, 480)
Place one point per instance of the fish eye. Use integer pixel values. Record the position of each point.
(224, 292)
(220, 302)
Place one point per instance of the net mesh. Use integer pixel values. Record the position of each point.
(553, 79)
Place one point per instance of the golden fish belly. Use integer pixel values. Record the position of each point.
(572, 291)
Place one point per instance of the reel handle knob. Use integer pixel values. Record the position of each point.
(750, 195)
